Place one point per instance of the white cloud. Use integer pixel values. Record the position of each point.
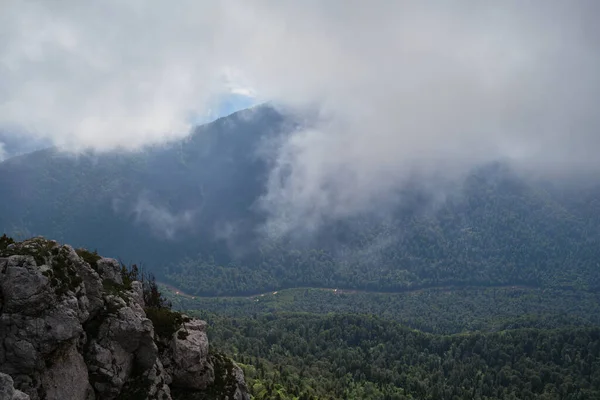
(161, 221)
(3, 154)
(404, 87)
(106, 74)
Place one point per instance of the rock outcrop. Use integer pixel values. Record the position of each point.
(74, 326)
(8, 391)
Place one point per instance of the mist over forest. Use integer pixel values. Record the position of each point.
(392, 200)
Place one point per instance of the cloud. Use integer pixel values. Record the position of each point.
(3, 153)
(116, 74)
(409, 91)
(404, 88)
(161, 221)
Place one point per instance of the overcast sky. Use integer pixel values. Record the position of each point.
(405, 86)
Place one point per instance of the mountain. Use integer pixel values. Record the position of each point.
(151, 198)
(77, 326)
(499, 274)
(189, 211)
(13, 145)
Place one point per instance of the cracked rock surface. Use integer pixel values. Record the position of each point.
(73, 327)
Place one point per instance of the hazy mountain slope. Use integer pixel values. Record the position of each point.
(149, 199)
(496, 231)
(195, 202)
(12, 144)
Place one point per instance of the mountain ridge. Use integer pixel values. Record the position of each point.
(190, 211)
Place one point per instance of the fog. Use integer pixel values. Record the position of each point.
(404, 89)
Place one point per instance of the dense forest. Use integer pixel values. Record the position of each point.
(443, 311)
(498, 231)
(490, 293)
(190, 212)
(413, 213)
(478, 343)
(302, 356)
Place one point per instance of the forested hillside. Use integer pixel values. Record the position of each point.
(358, 357)
(152, 206)
(498, 230)
(189, 211)
(506, 264)
(441, 311)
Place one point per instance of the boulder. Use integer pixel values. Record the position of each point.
(189, 354)
(110, 269)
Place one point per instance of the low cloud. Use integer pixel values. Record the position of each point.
(3, 153)
(160, 220)
(405, 90)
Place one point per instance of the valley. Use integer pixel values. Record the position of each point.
(299, 200)
(173, 291)
(430, 310)
(505, 268)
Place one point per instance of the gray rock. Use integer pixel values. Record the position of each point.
(241, 390)
(63, 322)
(66, 378)
(24, 289)
(93, 289)
(8, 391)
(70, 332)
(125, 339)
(189, 353)
(159, 382)
(29, 384)
(24, 354)
(109, 367)
(18, 395)
(137, 293)
(110, 269)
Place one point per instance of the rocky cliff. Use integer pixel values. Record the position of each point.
(74, 325)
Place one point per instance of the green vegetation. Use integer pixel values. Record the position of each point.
(499, 231)
(300, 356)
(225, 382)
(431, 310)
(495, 228)
(130, 274)
(39, 248)
(111, 287)
(224, 386)
(166, 322)
(5, 241)
(158, 309)
(509, 263)
(64, 274)
(61, 271)
(89, 257)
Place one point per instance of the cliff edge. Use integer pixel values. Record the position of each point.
(74, 325)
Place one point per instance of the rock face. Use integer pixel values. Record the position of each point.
(73, 326)
(8, 391)
(189, 352)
